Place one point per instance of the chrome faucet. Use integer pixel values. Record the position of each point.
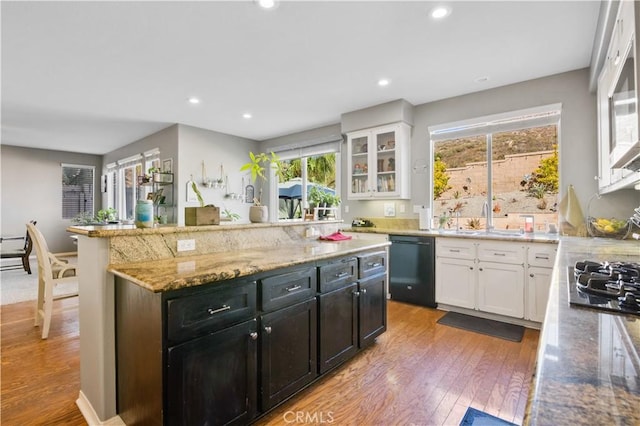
(486, 214)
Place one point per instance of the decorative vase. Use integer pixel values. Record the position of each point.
(144, 214)
(258, 214)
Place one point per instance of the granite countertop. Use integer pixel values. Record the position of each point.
(172, 274)
(588, 365)
(537, 237)
(106, 231)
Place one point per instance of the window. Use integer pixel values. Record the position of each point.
(492, 171)
(77, 190)
(123, 190)
(307, 170)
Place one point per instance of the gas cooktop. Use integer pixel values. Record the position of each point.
(610, 286)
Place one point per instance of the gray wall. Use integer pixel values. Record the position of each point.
(31, 188)
(188, 146)
(197, 145)
(578, 143)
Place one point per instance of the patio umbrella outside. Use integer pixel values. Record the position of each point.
(292, 191)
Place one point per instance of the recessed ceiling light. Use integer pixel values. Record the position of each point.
(247, 115)
(482, 79)
(440, 12)
(267, 4)
(383, 82)
(193, 100)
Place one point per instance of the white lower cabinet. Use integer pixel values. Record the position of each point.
(540, 260)
(538, 282)
(501, 289)
(456, 282)
(499, 277)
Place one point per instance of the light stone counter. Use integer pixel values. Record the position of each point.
(588, 365)
(172, 274)
(537, 237)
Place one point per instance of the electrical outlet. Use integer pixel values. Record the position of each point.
(186, 245)
(346, 208)
(401, 208)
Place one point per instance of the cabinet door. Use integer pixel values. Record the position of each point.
(358, 165)
(385, 154)
(289, 352)
(338, 326)
(378, 162)
(456, 282)
(212, 380)
(372, 310)
(538, 282)
(501, 289)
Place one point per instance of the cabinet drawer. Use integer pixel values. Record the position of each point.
(543, 255)
(372, 264)
(336, 274)
(204, 312)
(501, 252)
(286, 289)
(456, 248)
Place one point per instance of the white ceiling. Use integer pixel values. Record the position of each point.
(94, 76)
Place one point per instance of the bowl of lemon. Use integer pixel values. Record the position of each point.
(608, 228)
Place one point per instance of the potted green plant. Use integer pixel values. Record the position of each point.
(257, 167)
(203, 215)
(107, 215)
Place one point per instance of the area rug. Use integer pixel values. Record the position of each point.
(18, 286)
(475, 417)
(483, 326)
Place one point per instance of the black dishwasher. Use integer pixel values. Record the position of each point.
(412, 269)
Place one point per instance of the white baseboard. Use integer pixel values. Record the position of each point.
(90, 415)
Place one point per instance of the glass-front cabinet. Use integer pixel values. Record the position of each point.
(378, 162)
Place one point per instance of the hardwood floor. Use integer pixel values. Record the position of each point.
(40, 378)
(418, 372)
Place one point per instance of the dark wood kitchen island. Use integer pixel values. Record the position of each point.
(231, 262)
(588, 365)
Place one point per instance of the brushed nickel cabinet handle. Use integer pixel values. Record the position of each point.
(363, 291)
(294, 288)
(253, 335)
(212, 311)
(268, 330)
(342, 274)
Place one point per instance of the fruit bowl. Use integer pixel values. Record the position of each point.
(608, 228)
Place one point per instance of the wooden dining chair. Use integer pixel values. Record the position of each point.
(22, 254)
(52, 270)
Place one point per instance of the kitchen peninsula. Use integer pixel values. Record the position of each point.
(148, 260)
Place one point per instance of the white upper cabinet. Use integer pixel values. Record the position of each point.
(617, 98)
(378, 162)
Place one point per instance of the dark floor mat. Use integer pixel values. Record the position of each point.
(484, 326)
(475, 417)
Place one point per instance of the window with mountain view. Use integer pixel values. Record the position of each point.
(495, 178)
